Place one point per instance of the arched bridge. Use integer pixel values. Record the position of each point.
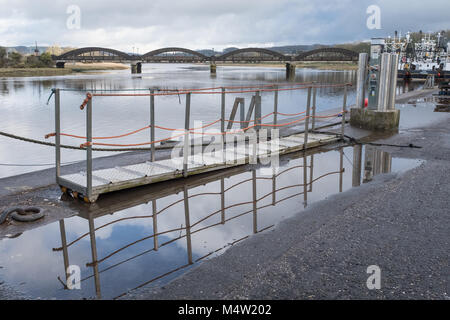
(252, 54)
(176, 54)
(95, 54)
(328, 54)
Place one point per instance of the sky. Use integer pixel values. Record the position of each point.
(206, 24)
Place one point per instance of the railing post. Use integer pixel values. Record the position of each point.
(242, 113)
(275, 106)
(344, 111)
(222, 200)
(313, 123)
(89, 149)
(308, 109)
(57, 133)
(341, 168)
(186, 150)
(62, 229)
(255, 205)
(152, 123)
(305, 180)
(94, 255)
(257, 110)
(155, 225)
(222, 123)
(188, 224)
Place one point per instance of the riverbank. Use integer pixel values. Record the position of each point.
(299, 65)
(70, 68)
(101, 66)
(33, 72)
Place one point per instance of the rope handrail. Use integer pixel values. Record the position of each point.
(211, 133)
(216, 92)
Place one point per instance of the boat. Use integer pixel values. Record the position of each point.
(417, 60)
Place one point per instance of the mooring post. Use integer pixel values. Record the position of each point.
(384, 82)
(89, 149)
(361, 80)
(255, 207)
(313, 123)
(188, 224)
(57, 133)
(155, 225)
(344, 111)
(152, 123)
(308, 109)
(393, 81)
(186, 150)
(357, 160)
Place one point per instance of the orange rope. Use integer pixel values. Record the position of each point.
(84, 145)
(194, 132)
(199, 91)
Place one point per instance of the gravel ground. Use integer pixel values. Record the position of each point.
(397, 222)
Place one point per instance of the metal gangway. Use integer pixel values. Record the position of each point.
(89, 184)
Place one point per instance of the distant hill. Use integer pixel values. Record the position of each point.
(26, 50)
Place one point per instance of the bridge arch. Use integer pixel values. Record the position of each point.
(174, 49)
(339, 54)
(73, 54)
(272, 53)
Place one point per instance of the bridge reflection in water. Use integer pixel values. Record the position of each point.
(255, 213)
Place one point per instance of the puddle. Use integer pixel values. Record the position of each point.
(123, 241)
(422, 112)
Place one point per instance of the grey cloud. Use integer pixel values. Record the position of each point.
(205, 23)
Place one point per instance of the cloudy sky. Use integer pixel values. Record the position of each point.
(201, 24)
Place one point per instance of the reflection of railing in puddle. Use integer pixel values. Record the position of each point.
(371, 156)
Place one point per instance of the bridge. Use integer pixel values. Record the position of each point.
(183, 55)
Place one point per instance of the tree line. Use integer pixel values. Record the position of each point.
(17, 60)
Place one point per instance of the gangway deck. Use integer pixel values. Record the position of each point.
(124, 177)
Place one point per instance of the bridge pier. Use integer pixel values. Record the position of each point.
(290, 71)
(136, 67)
(212, 67)
(60, 64)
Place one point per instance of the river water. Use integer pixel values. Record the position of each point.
(24, 109)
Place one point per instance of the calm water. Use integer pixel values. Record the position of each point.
(24, 109)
